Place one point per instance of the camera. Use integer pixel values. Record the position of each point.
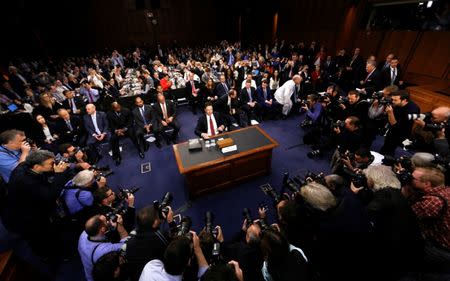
(123, 193)
(435, 126)
(30, 141)
(247, 216)
(269, 191)
(404, 161)
(359, 180)
(163, 207)
(209, 224)
(184, 229)
(59, 158)
(338, 124)
(113, 215)
(386, 101)
(290, 184)
(342, 100)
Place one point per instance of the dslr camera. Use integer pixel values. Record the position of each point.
(338, 124)
(163, 207)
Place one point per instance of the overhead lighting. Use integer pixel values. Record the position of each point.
(429, 4)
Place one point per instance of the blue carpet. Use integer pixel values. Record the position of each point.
(226, 205)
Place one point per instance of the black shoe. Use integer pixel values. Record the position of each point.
(146, 146)
(158, 144)
(142, 155)
(118, 161)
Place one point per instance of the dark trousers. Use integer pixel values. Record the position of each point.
(196, 103)
(391, 141)
(93, 145)
(115, 144)
(252, 112)
(160, 131)
(141, 143)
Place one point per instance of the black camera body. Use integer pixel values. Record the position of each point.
(435, 127)
(184, 229)
(163, 207)
(338, 124)
(386, 101)
(359, 180)
(270, 191)
(247, 216)
(124, 192)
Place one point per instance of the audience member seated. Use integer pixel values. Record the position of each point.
(97, 128)
(165, 118)
(46, 136)
(72, 103)
(270, 108)
(69, 128)
(229, 108)
(249, 102)
(120, 120)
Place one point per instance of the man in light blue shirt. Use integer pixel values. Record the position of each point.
(176, 259)
(93, 243)
(13, 151)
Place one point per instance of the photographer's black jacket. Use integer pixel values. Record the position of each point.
(31, 200)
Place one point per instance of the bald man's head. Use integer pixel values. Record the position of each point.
(116, 106)
(297, 79)
(440, 114)
(90, 109)
(94, 225)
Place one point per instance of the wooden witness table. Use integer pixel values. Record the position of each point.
(210, 170)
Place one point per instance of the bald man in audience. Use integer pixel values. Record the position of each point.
(284, 93)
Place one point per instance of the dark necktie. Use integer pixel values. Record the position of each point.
(211, 126)
(69, 125)
(143, 116)
(393, 76)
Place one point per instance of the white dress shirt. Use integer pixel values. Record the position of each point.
(154, 271)
(94, 121)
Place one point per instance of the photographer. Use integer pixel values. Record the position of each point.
(349, 138)
(177, 257)
(105, 203)
(109, 267)
(377, 118)
(313, 109)
(362, 158)
(149, 242)
(224, 272)
(245, 249)
(282, 261)
(74, 156)
(440, 137)
(430, 202)
(356, 106)
(14, 150)
(31, 200)
(398, 245)
(399, 125)
(93, 242)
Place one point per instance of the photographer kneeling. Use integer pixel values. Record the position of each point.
(149, 242)
(105, 203)
(93, 242)
(349, 139)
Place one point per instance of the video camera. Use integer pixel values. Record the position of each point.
(270, 191)
(163, 207)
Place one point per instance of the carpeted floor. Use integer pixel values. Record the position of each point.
(226, 205)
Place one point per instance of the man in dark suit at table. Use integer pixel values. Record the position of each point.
(165, 117)
(209, 124)
(73, 104)
(222, 88)
(120, 122)
(249, 102)
(69, 128)
(391, 75)
(143, 124)
(97, 128)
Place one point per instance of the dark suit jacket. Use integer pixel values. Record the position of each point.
(260, 96)
(188, 89)
(220, 90)
(102, 124)
(221, 105)
(63, 131)
(39, 135)
(202, 126)
(138, 120)
(386, 77)
(171, 111)
(125, 120)
(373, 81)
(244, 96)
(79, 103)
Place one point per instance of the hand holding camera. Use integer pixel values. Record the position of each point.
(60, 167)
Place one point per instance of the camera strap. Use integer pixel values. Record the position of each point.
(93, 252)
